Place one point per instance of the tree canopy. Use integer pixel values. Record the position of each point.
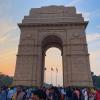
(5, 80)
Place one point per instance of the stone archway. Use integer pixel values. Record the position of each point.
(53, 26)
(48, 42)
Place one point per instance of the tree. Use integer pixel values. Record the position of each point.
(96, 80)
(5, 80)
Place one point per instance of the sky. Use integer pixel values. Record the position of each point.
(13, 11)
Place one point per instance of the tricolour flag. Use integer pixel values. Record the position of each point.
(45, 68)
(56, 69)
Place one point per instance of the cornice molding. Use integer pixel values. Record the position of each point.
(53, 24)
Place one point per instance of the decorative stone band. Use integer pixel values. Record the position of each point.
(77, 54)
(25, 80)
(27, 55)
(59, 24)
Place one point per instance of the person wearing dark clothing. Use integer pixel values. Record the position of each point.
(38, 95)
(57, 93)
(76, 94)
(69, 93)
(3, 93)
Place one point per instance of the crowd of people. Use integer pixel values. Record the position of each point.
(49, 93)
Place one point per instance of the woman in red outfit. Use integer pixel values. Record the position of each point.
(97, 95)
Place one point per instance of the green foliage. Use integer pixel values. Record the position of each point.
(96, 80)
(5, 80)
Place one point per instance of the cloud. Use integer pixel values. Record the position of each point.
(98, 26)
(8, 51)
(9, 36)
(86, 15)
(93, 37)
(8, 30)
(6, 21)
(93, 40)
(74, 2)
(5, 8)
(2, 39)
(94, 61)
(6, 25)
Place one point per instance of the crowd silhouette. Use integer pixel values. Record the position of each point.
(49, 93)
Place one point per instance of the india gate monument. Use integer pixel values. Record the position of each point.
(53, 26)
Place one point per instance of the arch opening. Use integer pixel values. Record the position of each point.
(52, 60)
(53, 73)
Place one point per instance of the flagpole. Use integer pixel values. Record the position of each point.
(51, 75)
(56, 78)
(56, 75)
(44, 74)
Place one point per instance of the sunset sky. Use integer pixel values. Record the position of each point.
(13, 11)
